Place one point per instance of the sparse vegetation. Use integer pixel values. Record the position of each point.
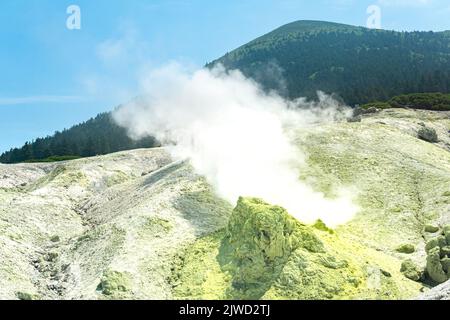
(435, 101)
(427, 101)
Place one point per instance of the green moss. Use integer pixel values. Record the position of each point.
(406, 248)
(114, 283)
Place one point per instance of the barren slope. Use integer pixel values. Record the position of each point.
(137, 225)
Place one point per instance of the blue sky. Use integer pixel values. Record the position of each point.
(52, 77)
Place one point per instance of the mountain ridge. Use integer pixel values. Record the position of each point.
(296, 59)
(359, 64)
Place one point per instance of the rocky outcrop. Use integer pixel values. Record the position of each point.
(438, 257)
(262, 238)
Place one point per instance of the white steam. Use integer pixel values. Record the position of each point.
(236, 135)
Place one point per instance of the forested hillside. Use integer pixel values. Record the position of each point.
(359, 64)
(96, 136)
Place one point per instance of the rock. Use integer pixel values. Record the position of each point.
(371, 110)
(441, 292)
(386, 273)
(114, 282)
(445, 251)
(431, 229)
(446, 231)
(410, 270)
(358, 111)
(446, 265)
(332, 263)
(52, 256)
(434, 267)
(26, 296)
(406, 248)
(354, 119)
(436, 242)
(262, 238)
(428, 134)
(361, 111)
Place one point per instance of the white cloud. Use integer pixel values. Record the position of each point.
(237, 136)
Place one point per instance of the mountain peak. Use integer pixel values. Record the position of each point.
(309, 27)
(305, 56)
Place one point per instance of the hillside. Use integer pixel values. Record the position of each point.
(137, 225)
(96, 136)
(358, 64)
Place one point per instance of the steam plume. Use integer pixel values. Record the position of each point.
(236, 135)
